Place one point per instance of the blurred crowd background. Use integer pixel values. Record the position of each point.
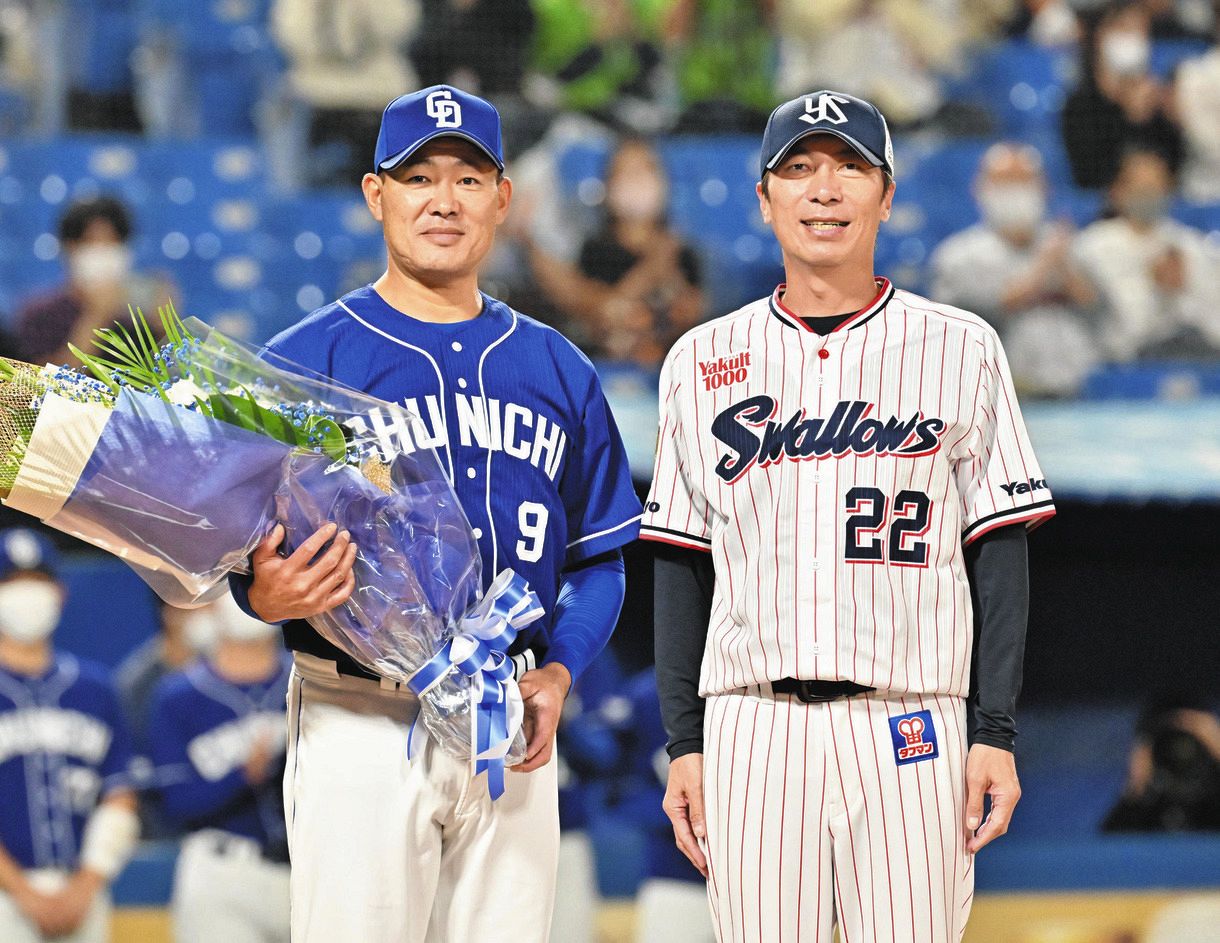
(1058, 173)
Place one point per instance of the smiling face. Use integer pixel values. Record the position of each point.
(439, 210)
(825, 203)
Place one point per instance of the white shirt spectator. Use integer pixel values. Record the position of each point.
(1197, 94)
(1050, 348)
(1140, 310)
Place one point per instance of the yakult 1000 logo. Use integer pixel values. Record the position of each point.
(722, 371)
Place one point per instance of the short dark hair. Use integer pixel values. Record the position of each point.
(889, 182)
(80, 214)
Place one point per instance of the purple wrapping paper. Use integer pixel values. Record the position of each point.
(414, 567)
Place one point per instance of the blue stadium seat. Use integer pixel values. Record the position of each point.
(1023, 84)
(1168, 54)
(1203, 216)
(101, 38)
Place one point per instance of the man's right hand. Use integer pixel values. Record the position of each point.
(683, 803)
(294, 588)
(40, 909)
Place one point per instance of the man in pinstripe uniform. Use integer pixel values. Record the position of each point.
(843, 487)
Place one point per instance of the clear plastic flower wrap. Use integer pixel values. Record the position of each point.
(182, 466)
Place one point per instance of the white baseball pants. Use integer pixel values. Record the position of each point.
(811, 821)
(390, 851)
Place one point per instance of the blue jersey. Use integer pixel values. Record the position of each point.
(64, 745)
(205, 730)
(517, 416)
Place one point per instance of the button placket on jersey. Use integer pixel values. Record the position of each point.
(822, 502)
(461, 363)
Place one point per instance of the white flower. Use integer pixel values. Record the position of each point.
(184, 392)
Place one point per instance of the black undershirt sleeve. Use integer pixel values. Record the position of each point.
(998, 568)
(997, 565)
(682, 610)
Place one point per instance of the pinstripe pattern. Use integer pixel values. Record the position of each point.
(812, 823)
(787, 601)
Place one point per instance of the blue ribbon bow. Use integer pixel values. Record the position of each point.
(478, 650)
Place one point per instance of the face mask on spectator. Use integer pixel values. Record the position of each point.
(1125, 53)
(100, 264)
(1012, 206)
(241, 628)
(29, 609)
(1145, 207)
(201, 631)
(639, 200)
(233, 623)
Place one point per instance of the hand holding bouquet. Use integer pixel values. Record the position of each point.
(179, 459)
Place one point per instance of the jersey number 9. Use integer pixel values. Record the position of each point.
(531, 519)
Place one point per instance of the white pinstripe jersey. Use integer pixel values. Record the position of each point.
(836, 481)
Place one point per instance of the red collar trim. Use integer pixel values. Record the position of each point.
(885, 291)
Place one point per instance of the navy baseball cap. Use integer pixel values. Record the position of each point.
(851, 119)
(410, 121)
(26, 551)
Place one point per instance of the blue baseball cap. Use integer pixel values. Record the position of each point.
(851, 119)
(410, 121)
(26, 551)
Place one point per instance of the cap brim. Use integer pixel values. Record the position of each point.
(856, 145)
(396, 160)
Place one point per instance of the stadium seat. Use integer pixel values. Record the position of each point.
(1023, 84)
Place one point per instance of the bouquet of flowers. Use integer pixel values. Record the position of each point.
(179, 458)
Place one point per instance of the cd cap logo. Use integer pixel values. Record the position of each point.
(444, 109)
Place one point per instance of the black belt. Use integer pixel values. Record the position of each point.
(817, 692)
(350, 668)
(523, 662)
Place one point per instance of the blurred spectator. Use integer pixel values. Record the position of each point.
(545, 221)
(636, 285)
(603, 57)
(1119, 104)
(67, 824)
(1049, 23)
(1156, 277)
(587, 754)
(1014, 269)
(721, 53)
(183, 635)
(346, 61)
(101, 284)
(1197, 103)
(1173, 779)
(219, 747)
(672, 902)
(1179, 19)
(202, 68)
(478, 45)
(99, 38)
(892, 53)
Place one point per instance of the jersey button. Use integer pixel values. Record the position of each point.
(823, 353)
(462, 382)
(478, 533)
(470, 472)
(457, 346)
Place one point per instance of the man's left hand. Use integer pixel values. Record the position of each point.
(990, 771)
(543, 690)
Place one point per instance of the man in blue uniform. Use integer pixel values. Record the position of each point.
(218, 743)
(384, 849)
(67, 819)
